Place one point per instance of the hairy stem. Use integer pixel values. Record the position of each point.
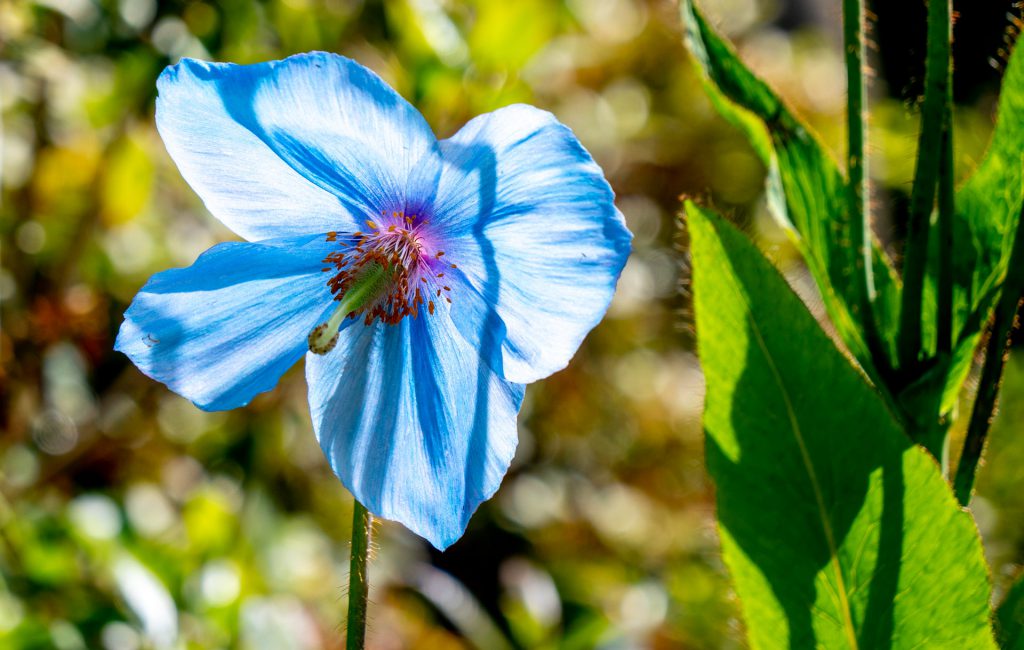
(358, 584)
(934, 119)
(944, 312)
(856, 191)
(992, 372)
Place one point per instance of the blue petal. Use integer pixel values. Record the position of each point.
(532, 226)
(310, 144)
(414, 424)
(226, 328)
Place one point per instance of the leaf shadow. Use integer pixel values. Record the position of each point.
(788, 502)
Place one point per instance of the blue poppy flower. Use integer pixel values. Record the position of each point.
(480, 262)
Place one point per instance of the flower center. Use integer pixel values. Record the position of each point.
(387, 273)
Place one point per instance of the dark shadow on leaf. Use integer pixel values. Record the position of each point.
(791, 520)
(878, 627)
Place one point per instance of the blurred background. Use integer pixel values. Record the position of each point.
(130, 519)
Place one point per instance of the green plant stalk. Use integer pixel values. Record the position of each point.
(934, 119)
(944, 311)
(857, 187)
(937, 441)
(996, 351)
(358, 584)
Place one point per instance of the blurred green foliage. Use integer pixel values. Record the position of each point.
(130, 519)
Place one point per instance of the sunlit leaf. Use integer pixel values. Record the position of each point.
(989, 202)
(987, 210)
(805, 187)
(838, 531)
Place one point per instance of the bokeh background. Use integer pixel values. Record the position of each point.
(130, 519)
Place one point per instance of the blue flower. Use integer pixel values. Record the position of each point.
(479, 262)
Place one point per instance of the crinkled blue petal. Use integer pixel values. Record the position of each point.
(417, 427)
(226, 328)
(531, 223)
(310, 144)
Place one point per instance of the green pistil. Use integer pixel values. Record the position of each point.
(372, 282)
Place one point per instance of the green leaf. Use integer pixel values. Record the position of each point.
(838, 531)
(987, 211)
(989, 202)
(1010, 618)
(805, 190)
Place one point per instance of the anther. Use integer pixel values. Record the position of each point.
(377, 281)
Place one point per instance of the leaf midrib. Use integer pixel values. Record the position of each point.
(812, 475)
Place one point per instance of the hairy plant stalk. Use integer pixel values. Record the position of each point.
(996, 351)
(934, 122)
(944, 312)
(857, 188)
(358, 583)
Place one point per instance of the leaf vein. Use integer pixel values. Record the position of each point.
(844, 604)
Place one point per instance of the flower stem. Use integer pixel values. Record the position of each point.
(860, 226)
(996, 351)
(934, 121)
(358, 584)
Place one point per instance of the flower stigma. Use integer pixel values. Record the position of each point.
(371, 282)
(390, 272)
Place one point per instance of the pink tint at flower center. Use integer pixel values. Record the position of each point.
(414, 268)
